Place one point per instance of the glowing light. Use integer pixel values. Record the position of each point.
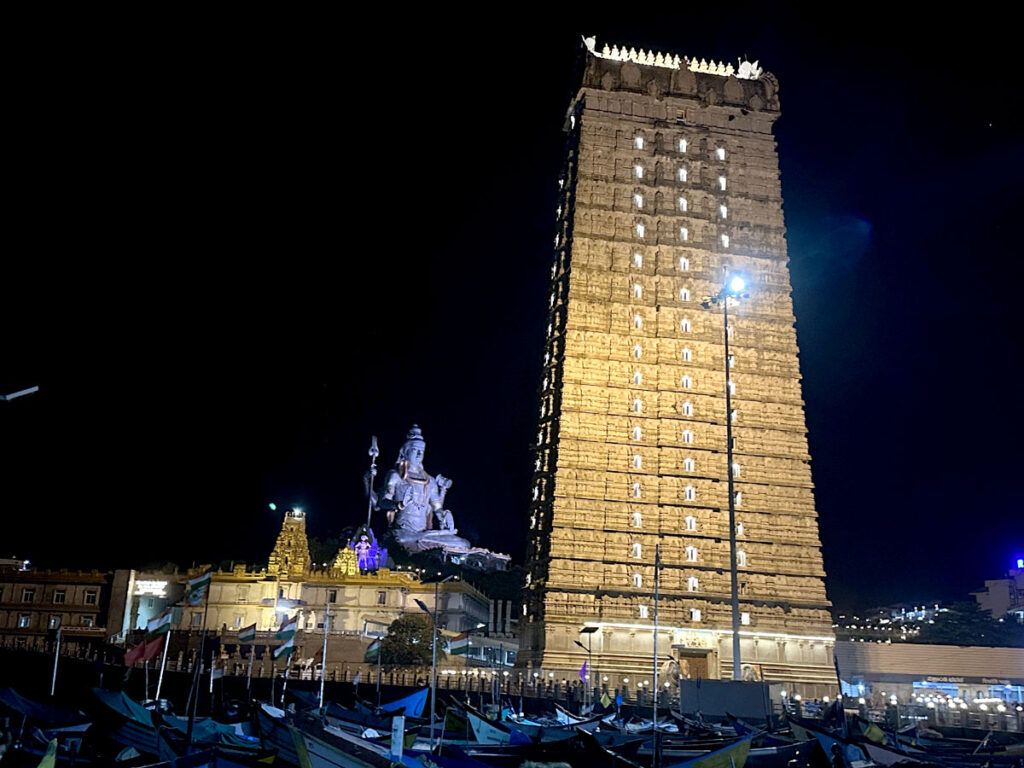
(273, 506)
(861, 700)
(737, 284)
(1020, 564)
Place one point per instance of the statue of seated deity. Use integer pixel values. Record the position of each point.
(414, 502)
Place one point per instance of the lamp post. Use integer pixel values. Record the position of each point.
(589, 648)
(433, 655)
(735, 289)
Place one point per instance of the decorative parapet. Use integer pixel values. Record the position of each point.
(744, 70)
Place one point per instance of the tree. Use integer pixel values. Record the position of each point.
(408, 642)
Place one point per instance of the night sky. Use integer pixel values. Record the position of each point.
(232, 256)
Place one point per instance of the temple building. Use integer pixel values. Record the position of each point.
(671, 186)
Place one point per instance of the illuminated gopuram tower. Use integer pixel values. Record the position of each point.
(671, 183)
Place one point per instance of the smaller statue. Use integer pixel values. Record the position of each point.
(370, 556)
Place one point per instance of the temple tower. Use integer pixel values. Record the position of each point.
(290, 557)
(671, 183)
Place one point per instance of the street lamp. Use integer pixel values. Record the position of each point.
(433, 654)
(735, 289)
(589, 648)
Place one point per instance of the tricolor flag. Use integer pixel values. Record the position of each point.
(286, 650)
(459, 644)
(247, 634)
(195, 590)
(373, 652)
(159, 626)
(287, 629)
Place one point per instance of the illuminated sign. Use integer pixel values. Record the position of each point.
(154, 588)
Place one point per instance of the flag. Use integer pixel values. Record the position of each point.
(144, 651)
(459, 644)
(216, 673)
(195, 589)
(286, 649)
(373, 652)
(247, 634)
(583, 672)
(159, 626)
(606, 700)
(287, 629)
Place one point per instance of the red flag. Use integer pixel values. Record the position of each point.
(144, 651)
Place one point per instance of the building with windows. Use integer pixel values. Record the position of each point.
(1004, 597)
(33, 604)
(671, 184)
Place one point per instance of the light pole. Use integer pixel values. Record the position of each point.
(735, 288)
(433, 655)
(589, 648)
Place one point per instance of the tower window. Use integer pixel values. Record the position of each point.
(741, 558)
(637, 351)
(687, 408)
(637, 433)
(638, 520)
(685, 326)
(638, 291)
(719, 153)
(739, 498)
(689, 465)
(638, 321)
(723, 211)
(684, 264)
(734, 415)
(725, 241)
(638, 461)
(735, 469)
(638, 201)
(687, 437)
(686, 382)
(638, 260)
(721, 183)
(638, 405)
(691, 554)
(732, 361)
(682, 174)
(739, 529)
(683, 205)
(684, 234)
(695, 614)
(643, 611)
(687, 355)
(732, 387)
(638, 582)
(690, 493)
(636, 490)
(684, 294)
(638, 378)
(691, 523)
(692, 584)
(638, 142)
(638, 171)
(640, 229)
(637, 550)
(683, 145)
(745, 619)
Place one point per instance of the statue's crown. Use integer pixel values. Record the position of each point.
(414, 433)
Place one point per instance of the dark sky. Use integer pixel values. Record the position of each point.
(233, 255)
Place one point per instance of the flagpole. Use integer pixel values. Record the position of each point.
(273, 675)
(323, 661)
(163, 665)
(252, 655)
(380, 659)
(194, 691)
(284, 674)
(145, 668)
(56, 656)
